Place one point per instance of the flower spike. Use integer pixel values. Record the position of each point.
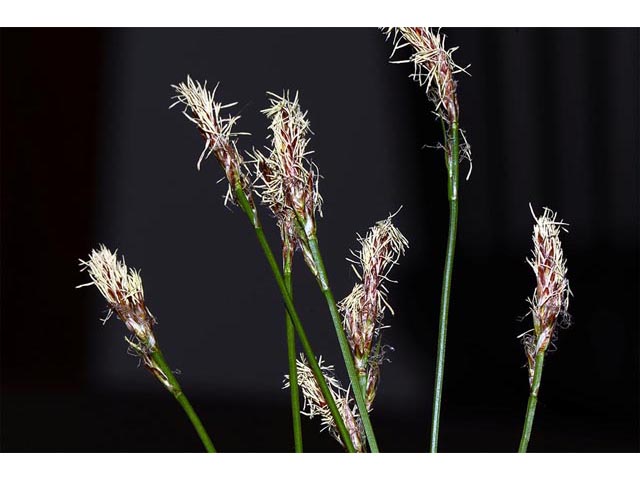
(363, 309)
(121, 287)
(216, 130)
(433, 67)
(549, 303)
(548, 306)
(316, 405)
(287, 179)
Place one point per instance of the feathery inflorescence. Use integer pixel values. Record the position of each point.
(433, 67)
(316, 405)
(122, 289)
(217, 131)
(363, 309)
(287, 180)
(550, 301)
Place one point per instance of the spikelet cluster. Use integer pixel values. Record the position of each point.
(433, 68)
(363, 309)
(316, 405)
(201, 108)
(122, 289)
(286, 178)
(549, 303)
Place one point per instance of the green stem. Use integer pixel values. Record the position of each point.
(182, 399)
(323, 281)
(291, 351)
(453, 153)
(531, 404)
(362, 377)
(252, 213)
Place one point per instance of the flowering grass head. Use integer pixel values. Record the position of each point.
(201, 108)
(315, 403)
(549, 303)
(363, 309)
(286, 179)
(121, 287)
(434, 68)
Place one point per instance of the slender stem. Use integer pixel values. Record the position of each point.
(531, 404)
(323, 281)
(291, 351)
(453, 152)
(362, 377)
(183, 400)
(252, 213)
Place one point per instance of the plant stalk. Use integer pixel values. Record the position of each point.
(531, 404)
(252, 213)
(453, 154)
(291, 351)
(183, 400)
(358, 392)
(363, 378)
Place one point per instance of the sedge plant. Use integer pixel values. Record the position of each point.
(270, 171)
(548, 306)
(206, 113)
(285, 180)
(121, 287)
(435, 69)
(362, 311)
(289, 185)
(364, 308)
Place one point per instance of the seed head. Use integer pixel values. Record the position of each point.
(363, 309)
(433, 67)
(380, 250)
(315, 403)
(287, 179)
(550, 301)
(122, 289)
(216, 130)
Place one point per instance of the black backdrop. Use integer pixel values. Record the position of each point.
(91, 154)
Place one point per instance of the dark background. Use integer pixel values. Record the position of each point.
(91, 154)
